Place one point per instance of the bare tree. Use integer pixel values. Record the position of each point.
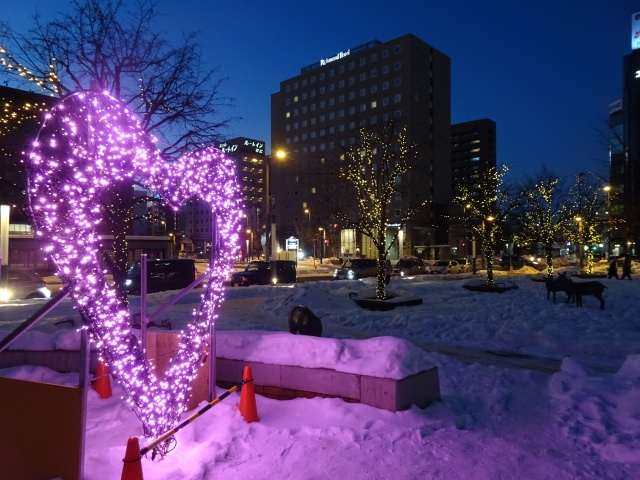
(374, 171)
(113, 46)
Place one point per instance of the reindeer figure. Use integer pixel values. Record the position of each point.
(556, 285)
(576, 290)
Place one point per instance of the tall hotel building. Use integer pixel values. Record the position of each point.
(473, 151)
(318, 114)
(624, 153)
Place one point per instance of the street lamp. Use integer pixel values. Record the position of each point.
(250, 244)
(324, 238)
(490, 218)
(270, 205)
(579, 220)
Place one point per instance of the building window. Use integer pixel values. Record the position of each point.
(396, 66)
(374, 104)
(385, 53)
(374, 73)
(363, 61)
(397, 97)
(363, 77)
(397, 49)
(373, 89)
(397, 82)
(373, 57)
(385, 69)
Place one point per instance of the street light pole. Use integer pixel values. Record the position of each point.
(270, 205)
(324, 237)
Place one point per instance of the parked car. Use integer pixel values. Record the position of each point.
(23, 285)
(465, 265)
(353, 269)
(259, 273)
(168, 274)
(513, 262)
(443, 267)
(409, 266)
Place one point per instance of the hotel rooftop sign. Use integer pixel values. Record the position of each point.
(635, 31)
(340, 55)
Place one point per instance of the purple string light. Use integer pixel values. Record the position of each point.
(90, 142)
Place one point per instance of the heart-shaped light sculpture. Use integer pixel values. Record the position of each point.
(89, 143)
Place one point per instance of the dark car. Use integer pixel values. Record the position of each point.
(356, 268)
(408, 266)
(513, 262)
(23, 285)
(259, 273)
(170, 274)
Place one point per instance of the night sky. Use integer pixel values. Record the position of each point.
(545, 71)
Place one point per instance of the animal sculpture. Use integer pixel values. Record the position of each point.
(556, 284)
(577, 290)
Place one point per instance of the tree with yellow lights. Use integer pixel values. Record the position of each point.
(375, 172)
(543, 215)
(485, 213)
(114, 46)
(588, 213)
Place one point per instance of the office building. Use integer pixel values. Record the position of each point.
(317, 115)
(624, 153)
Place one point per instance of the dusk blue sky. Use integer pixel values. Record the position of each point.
(545, 71)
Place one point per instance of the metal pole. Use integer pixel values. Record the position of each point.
(85, 355)
(29, 322)
(212, 325)
(475, 257)
(143, 301)
(4, 242)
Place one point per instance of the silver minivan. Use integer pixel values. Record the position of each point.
(356, 268)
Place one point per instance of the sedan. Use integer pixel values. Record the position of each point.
(23, 285)
(443, 267)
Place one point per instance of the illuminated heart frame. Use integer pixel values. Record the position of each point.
(88, 143)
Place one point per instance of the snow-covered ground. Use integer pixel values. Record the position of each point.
(495, 419)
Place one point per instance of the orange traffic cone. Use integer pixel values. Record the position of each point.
(132, 468)
(102, 383)
(248, 407)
